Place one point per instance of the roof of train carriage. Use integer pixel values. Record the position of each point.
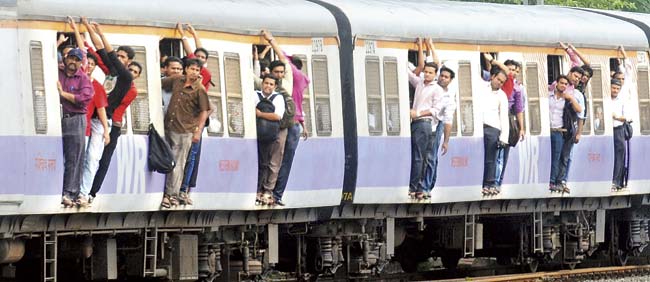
(282, 17)
(485, 23)
(639, 19)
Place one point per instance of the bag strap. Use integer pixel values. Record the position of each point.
(259, 94)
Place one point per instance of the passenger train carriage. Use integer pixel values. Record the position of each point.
(348, 212)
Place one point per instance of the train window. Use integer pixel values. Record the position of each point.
(465, 92)
(644, 99)
(598, 112)
(321, 95)
(38, 86)
(70, 41)
(214, 95)
(170, 47)
(391, 90)
(554, 67)
(235, 108)
(306, 95)
(373, 95)
(532, 88)
(614, 65)
(140, 106)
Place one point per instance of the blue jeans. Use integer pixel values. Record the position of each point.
(290, 146)
(501, 162)
(73, 131)
(420, 146)
(190, 165)
(557, 141)
(565, 159)
(431, 170)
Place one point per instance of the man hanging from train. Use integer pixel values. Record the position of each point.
(171, 66)
(269, 110)
(97, 132)
(193, 158)
(494, 107)
(122, 71)
(577, 60)
(284, 87)
(573, 121)
(561, 132)
(427, 103)
(75, 91)
(184, 122)
(621, 116)
(441, 123)
(300, 83)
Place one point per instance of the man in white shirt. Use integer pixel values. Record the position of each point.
(494, 105)
(575, 76)
(442, 122)
(619, 116)
(558, 99)
(426, 105)
(270, 153)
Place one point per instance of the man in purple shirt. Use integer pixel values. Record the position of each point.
(300, 83)
(75, 91)
(515, 107)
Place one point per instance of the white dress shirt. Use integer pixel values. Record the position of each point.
(427, 96)
(494, 105)
(618, 108)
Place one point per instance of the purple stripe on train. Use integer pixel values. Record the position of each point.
(385, 161)
(34, 166)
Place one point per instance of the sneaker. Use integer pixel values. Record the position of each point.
(552, 187)
(564, 188)
(67, 202)
(279, 202)
(90, 199)
(82, 202)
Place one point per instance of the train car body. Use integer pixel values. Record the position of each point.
(348, 211)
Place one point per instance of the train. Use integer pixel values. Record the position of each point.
(347, 213)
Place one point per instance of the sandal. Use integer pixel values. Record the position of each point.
(173, 200)
(165, 203)
(412, 195)
(485, 191)
(419, 195)
(267, 199)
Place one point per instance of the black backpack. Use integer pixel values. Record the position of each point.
(569, 119)
(267, 130)
(160, 157)
(513, 136)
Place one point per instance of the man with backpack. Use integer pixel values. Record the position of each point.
(572, 122)
(561, 103)
(269, 111)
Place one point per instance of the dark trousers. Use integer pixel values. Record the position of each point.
(619, 155)
(73, 131)
(290, 146)
(431, 172)
(105, 162)
(490, 143)
(565, 159)
(192, 166)
(421, 136)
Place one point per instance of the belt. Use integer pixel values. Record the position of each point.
(69, 115)
(558, 129)
(420, 120)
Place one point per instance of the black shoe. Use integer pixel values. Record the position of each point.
(279, 202)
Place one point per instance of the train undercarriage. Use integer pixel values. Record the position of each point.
(347, 242)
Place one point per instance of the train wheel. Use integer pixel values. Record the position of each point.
(620, 258)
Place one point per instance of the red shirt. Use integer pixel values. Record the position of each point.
(128, 98)
(99, 101)
(509, 86)
(205, 73)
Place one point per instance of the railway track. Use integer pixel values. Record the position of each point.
(586, 274)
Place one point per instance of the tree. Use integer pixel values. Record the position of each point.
(642, 6)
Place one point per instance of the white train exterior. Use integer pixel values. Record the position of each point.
(347, 191)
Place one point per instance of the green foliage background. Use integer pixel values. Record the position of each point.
(642, 6)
